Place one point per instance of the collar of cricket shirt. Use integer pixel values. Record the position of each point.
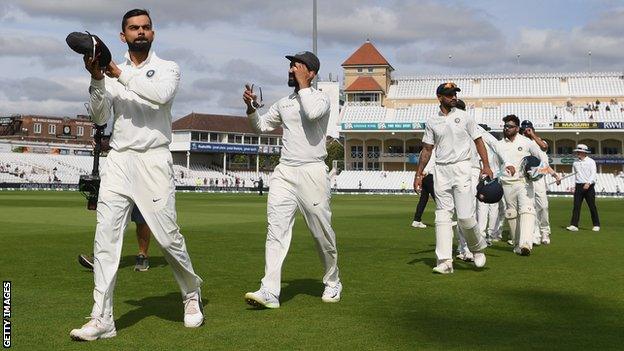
(147, 60)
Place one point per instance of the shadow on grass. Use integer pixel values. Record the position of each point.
(432, 261)
(311, 287)
(533, 319)
(168, 307)
(501, 247)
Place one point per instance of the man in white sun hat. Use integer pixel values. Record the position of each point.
(585, 170)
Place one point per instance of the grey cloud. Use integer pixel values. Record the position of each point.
(609, 24)
(225, 87)
(343, 22)
(245, 71)
(569, 50)
(394, 23)
(164, 12)
(39, 89)
(49, 52)
(186, 58)
(47, 108)
(225, 93)
(30, 46)
(539, 49)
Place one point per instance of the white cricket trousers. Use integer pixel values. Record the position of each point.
(453, 191)
(146, 180)
(541, 206)
(487, 217)
(462, 245)
(305, 188)
(520, 211)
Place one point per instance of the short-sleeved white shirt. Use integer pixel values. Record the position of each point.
(451, 135)
(517, 150)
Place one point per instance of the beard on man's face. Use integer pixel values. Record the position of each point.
(292, 82)
(510, 132)
(139, 45)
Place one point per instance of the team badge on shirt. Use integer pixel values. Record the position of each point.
(150, 73)
(457, 120)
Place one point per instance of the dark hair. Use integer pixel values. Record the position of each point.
(134, 13)
(512, 118)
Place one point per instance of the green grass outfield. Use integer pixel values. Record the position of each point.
(569, 295)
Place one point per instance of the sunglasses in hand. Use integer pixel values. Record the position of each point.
(257, 102)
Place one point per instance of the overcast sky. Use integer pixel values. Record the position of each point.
(220, 45)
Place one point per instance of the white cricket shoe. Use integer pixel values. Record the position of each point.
(262, 298)
(572, 228)
(332, 294)
(466, 256)
(445, 267)
(596, 228)
(95, 328)
(510, 242)
(479, 259)
(546, 239)
(417, 224)
(193, 310)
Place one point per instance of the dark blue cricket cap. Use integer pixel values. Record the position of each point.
(489, 191)
(447, 88)
(307, 58)
(526, 124)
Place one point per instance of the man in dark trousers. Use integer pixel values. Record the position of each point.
(260, 186)
(427, 189)
(585, 170)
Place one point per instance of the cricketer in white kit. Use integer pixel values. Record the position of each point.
(518, 191)
(300, 181)
(488, 214)
(451, 131)
(138, 170)
(542, 230)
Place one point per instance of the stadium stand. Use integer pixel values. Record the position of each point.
(66, 169)
(40, 168)
(400, 180)
(421, 87)
(364, 112)
(542, 114)
(526, 85)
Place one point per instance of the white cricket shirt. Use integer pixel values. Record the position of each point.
(304, 117)
(515, 151)
(141, 100)
(451, 135)
(585, 170)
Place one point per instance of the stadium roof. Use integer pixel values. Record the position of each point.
(366, 55)
(364, 84)
(217, 123)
